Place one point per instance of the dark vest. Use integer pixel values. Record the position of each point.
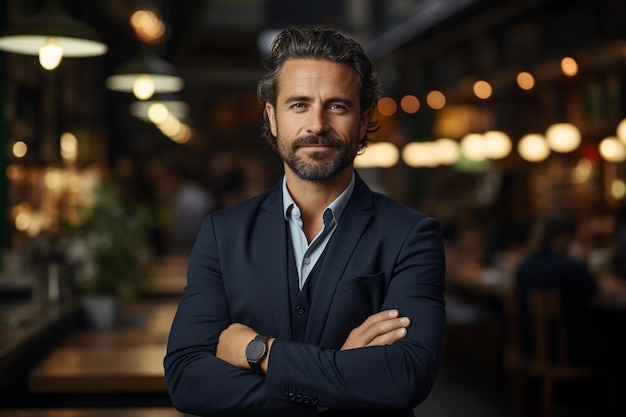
(301, 299)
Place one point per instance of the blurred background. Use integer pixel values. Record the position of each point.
(139, 117)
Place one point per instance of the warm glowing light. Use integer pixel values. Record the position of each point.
(525, 80)
(417, 155)
(15, 172)
(569, 66)
(22, 222)
(482, 89)
(20, 208)
(497, 144)
(618, 189)
(583, 170)
(183, 135)
(69, 147)
(20, 149)
(473, 147)
(436, 100)
(50, 54)
(410, 104)
(53, 179)
(387, 106)
(147, 25)
(612, 150)
(563, 137)
(446, 151)
(157, 113)
(378, 155)
(533, 148)
(170, 126)
(621, 131)
(143, 88)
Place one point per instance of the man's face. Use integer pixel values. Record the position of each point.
(317, 120)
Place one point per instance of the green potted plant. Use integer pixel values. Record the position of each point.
(110, 252)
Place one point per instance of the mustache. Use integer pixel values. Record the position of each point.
(323, 140)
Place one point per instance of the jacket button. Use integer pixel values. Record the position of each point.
(299, 309)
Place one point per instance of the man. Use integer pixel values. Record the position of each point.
(317, 296)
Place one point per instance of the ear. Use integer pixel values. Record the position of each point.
(271, 118)
(365, 119)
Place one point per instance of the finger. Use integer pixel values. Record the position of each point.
(385, 326)
(374, 326)
(389, 338)
(368, 333)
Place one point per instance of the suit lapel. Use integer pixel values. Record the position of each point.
(339, 251)
(273, 247)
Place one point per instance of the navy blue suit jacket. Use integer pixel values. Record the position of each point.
(383, 255)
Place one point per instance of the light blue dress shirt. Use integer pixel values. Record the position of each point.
(307, 254)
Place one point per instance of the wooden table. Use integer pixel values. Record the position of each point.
(167, 276)
(125, 359)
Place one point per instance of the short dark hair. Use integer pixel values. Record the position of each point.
(318, 42)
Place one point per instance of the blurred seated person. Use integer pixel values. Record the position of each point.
(550, 264)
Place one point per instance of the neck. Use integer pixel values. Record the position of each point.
(313, 197)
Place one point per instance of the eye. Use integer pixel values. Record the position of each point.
(298, 106)
(338, 108)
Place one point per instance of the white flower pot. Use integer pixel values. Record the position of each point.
(101, 310)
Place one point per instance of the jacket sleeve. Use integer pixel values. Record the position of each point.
(397, 376)
(198, 382)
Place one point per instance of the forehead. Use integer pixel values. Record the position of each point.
(300, 75)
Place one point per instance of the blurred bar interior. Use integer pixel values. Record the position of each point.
(495, 113)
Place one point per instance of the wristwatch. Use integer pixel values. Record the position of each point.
(256, 352)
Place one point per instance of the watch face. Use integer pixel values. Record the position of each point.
(255, 350)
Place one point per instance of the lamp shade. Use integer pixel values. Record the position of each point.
(147, 64)
(31, 34)
(175, 105)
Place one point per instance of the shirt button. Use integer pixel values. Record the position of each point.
(299, 309)
(306, 261)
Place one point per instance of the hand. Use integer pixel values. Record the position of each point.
(383, 328)
(231, 346)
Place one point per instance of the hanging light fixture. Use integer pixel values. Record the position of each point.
(533, 147)
(145, 76)
(174, 104)
(51, 35)
(563, 137)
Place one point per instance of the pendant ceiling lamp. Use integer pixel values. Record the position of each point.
(51, 35)
(171, 102)
(145, 75)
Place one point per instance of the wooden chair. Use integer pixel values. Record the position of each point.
(550, 362)
(514, 361)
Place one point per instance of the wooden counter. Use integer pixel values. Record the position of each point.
(28, 331)
(125, 359)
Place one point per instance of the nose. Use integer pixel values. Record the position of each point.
(317, 121)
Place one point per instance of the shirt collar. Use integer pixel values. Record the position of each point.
(336, 207)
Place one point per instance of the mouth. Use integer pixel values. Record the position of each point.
(316, 143)
(316, 146)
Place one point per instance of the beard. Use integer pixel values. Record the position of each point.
(317, 166)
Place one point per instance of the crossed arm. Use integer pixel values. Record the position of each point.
(383, 328)
(207, 371)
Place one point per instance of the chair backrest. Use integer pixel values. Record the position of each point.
(548, 323)
(513, 334)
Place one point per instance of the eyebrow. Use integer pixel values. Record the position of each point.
(347, 102)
